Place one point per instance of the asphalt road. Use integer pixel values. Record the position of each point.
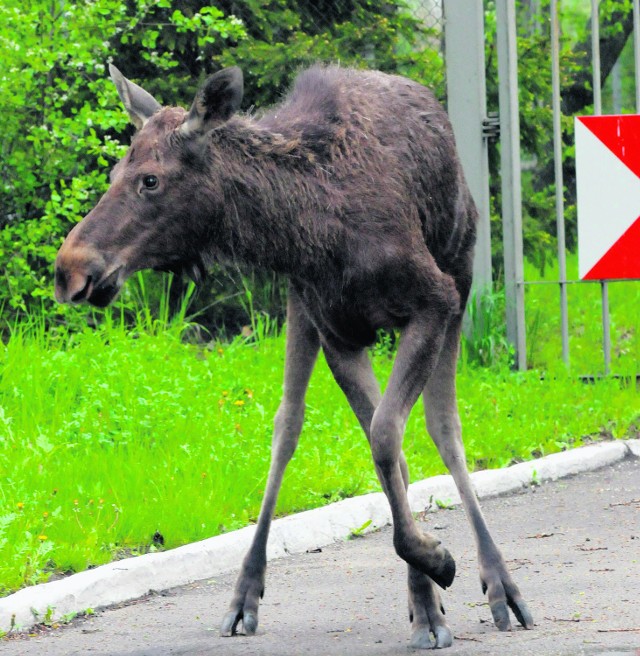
(573, 547)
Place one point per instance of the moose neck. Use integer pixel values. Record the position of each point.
(276, 199)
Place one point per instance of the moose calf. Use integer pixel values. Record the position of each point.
(352, 188)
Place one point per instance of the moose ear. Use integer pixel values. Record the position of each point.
(218, 98)
(139, 104)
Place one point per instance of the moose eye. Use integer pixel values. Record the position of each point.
(150, 182)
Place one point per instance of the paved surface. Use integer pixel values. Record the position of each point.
(573, 546)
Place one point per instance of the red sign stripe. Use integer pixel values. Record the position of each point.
(620, 134)
(622, 260)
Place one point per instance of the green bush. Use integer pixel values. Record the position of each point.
(64, 127)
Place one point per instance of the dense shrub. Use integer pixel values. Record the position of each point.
(64, 128)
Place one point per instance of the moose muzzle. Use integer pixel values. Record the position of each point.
(84, 274)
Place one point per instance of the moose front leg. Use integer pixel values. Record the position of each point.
(443, 424)
(302, 350)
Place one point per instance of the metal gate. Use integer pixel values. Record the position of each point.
(466, 100)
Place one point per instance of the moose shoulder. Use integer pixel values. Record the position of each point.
(353, 189)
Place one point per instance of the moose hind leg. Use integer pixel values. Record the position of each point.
(302, 350)
(443, 424)
(418, 351)
(354, 374)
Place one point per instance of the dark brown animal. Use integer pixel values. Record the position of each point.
(353, 189)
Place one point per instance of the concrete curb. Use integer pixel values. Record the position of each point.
(132, 578)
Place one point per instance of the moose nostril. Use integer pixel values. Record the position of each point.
(61, 278)
(81, 294)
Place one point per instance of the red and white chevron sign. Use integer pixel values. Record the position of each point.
(608, 181)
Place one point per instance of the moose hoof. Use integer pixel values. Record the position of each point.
(422, 638)
(245, 603)
(426, 614)
(522, 613)
(444, 574)
(444, 637)
(503, 594)
(501, 618)
(232, 619)
(427, 555)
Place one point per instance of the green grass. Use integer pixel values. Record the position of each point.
(542, 303)
(110, 436)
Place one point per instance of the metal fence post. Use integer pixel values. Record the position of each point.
(557, 158)
(511, 178)
(467, 107)
(597, 110)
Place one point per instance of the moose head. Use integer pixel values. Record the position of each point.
(147, 217)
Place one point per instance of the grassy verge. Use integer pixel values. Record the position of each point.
(542, 303)
(113, 442)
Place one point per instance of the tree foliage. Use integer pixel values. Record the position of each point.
(63, 127)
(536, 116)
(62, 124)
